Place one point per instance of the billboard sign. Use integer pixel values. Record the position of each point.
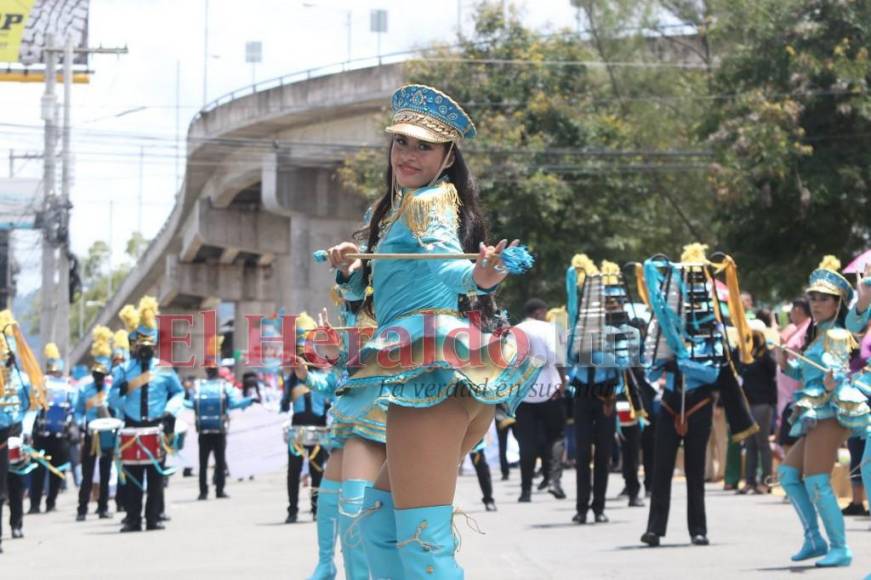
(24, 25)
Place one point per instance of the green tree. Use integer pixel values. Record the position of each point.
(792, 137)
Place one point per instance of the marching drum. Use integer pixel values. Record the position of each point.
(210, 407)
(107, 430)
(305, 435)
(137, 443)
(16, 451)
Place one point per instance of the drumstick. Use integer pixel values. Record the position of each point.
(515, 259)
(800, 356)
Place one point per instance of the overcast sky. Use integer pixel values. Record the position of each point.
(164, 34)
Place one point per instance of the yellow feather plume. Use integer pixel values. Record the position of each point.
(830, 263)
(121, 340)
(610, 273)
(51, 351)
(101, 337)
(583, 262)
(304, 322)
(694, 253)
(148, 311)
(130, 317)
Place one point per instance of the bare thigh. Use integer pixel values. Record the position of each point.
(333, 471)
(426, 445)
(821, 447)
(362, 459)
(795, 455)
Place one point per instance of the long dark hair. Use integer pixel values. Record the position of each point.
(472, 228)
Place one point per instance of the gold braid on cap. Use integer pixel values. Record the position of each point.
(421, 120)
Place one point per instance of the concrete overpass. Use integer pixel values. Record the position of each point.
(260, 194)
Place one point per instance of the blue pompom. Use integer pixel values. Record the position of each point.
(320, 256)
(517, 259)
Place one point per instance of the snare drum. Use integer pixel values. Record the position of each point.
(136, 440)
(625, 414)
(17, 456)
(309, 436)
(107, 430)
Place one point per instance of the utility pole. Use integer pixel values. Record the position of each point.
(54, 318)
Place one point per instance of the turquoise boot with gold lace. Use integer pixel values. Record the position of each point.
(378, 524)
(426, 543)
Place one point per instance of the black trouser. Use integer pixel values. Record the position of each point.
(595, 426)
(58, 448)
(482, 470)
(538, 427)
(502, 434)
(154, 503)
(695, 442)
(89, 462)
(294, 469)
(648, 452)
(630, 447)
(213, 443)
(16, 500)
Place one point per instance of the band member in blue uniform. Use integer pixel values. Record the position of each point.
(92, 403)
(120, 356)
(212, 400)
(147, 393)
(52, 431)
(15, 399)
(308, 408)
(601, 345)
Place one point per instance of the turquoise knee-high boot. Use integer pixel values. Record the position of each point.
(379, 535)
(814, 544)
(328, 528)
(819, 488)
(426, 543)
(350, 506)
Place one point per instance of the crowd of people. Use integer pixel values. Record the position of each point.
(386, 405)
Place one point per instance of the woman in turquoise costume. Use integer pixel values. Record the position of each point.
(439, 407)
(828, 409)
(357, 437)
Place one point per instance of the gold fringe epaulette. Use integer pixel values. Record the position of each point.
(440, 202)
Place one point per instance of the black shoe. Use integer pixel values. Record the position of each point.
(155, 526)
(544, 483)
(104, 515)
(602, 519)
(505, 476)
(128, 527)
(650, 539)
(222, 495)
(556, 490)
(490, 506)
(854, 509)
(17, 533)
(50, 508)
(187, 472)
(34, 509)
(580, 518)
(291, 519)
(80, 517)
(202, 496)
(636, 502)
(700, 540)
(525, 497)
(163, 518)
